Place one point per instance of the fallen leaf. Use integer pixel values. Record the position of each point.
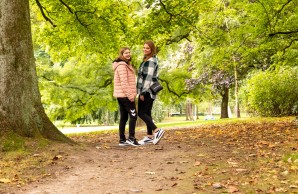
(232, 163)
(241, 170)
(232, 189)
(293, 186)
(57, 157)
(280, 190)
(151, 173)
(217, 185)
(264, 142)
(285, 173)
(197, 163)
(5, 180)
(135, 190)
(181, 162)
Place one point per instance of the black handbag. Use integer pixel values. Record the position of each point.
(156, 87)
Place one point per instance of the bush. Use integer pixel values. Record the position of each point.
(157, 111)
(272, 93)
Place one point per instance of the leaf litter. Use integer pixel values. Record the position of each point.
(242, 157)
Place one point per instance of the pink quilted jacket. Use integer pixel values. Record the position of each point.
(124, 81)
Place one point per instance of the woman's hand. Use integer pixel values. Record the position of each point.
(142, 98)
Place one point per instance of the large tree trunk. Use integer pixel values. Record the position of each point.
(224, 104)
(21, 110)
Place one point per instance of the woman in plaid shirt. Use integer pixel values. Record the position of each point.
(147, 75)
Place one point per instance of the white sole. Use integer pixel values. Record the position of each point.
(163, 132)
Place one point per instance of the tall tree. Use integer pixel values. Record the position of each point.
(21, 110)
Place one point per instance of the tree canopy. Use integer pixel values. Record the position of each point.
(205, 47)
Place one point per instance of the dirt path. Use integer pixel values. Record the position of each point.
(113, 169)
(238, 158)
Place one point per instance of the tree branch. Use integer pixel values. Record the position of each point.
(267, 14)
(178, 38)
(288, 32)
(76, 13)
(41, 8)
(284, 50)
(171, 91)
(104, 85)
(67, 6)
(172, 15)
(282, 7)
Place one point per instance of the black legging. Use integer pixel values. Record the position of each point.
(127, 108)
(144, 112)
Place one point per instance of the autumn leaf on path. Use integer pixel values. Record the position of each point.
(182, 162)
(3, 180)
(150, 173)
(197, 163)
(217, 185)
(57, 157)
(232, 189)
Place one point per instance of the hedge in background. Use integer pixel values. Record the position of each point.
(272, 93)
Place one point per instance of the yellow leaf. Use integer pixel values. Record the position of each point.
(57, 157)
(181, 162)
(151, 173)
(3, 180)
(232, 189)
(197, 163)
(241, 170)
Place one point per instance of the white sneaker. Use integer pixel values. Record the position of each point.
(123, 143)
(132, 141)
(146, 140)
(158, 135)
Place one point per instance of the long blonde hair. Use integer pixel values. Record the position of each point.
(153, 50)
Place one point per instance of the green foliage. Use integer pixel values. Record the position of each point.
(158, 111)
(272, 93)
(74, 58)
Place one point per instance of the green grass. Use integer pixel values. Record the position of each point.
(177, 122)
(12, 142)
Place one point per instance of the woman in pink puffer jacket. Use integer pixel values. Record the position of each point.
(125, 92)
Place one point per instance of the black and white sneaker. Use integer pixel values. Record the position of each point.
(158, 135)
(123, 143)
(146, 140)
(133, 142)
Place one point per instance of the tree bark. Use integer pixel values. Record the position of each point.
(21, 110)
(224, 104)
(237, 109)
(189, 111)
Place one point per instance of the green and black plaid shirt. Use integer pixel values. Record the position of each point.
(147, 75)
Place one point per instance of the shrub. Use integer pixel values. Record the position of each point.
(272, 93)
